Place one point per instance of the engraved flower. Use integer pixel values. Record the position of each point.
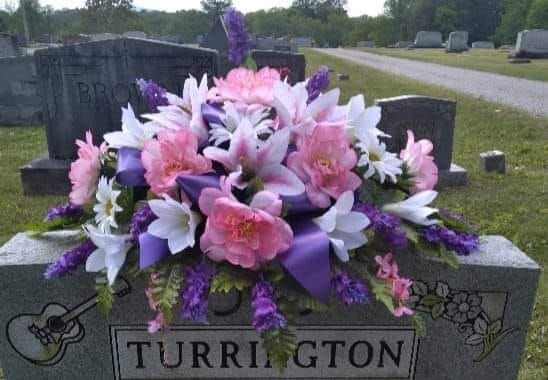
(464, 307)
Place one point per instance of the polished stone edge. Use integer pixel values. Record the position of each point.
(45, 176)
(454, 177)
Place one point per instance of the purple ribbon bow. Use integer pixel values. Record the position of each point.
(151, 250)
(130, 171)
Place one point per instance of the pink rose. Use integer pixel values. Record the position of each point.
(84, 172)
(172, 154)
(420, 164)
(248, 236)
(246, 86)
(324, 162)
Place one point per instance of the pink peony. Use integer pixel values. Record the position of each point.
(420, 164)
(248, 236)
(172, 154)
(324, 162)
(84, 172)
(246, 86)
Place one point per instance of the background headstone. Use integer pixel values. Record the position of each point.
(493, 161)
(135, 34)
(341, 76)
(365, 44)
(458, 42)
(483, 45)
(276, 44)
(532, 44)
(217, 39)
(404, 44)
(295, 62)
(303, 42)
(8, 45)
(428, 39)
(84, 86)
(476, 323)
(105, 36)
(76, 39)
(428, 118)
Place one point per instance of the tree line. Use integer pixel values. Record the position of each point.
(326, 21)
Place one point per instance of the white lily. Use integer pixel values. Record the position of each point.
(414, 208)
(176, 223)
(378, 159)
(362, 121)
(106, 209)
(110, 253)
(133, 133)
(343, 226)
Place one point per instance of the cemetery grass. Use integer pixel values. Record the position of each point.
(493, 61)
(514, 205)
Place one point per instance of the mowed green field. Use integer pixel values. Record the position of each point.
(493, 61)
(514, 205)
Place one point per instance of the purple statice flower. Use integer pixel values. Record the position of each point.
(461, 243)
(238, 38)
(265, 314)
(317, 83)
(195, 292)
(70, 260)
(384, 224)
(155, 95)
(349, 290)
(67, 210)
(140, 221)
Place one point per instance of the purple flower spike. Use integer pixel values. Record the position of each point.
(384, 224)
(64, 211)
(238, 38)
(349, 290)
(317, 83)
(265, 311)
(155, 96)
(195, 292)
(461, 243)
(140, 221)
(70, 260)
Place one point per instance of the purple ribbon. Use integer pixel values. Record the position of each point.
(193, 185)
(308, 259)
(299, 204)
(151, 250)
(212, 113)
(130, 171)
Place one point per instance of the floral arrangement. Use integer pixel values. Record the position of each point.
(258, 186)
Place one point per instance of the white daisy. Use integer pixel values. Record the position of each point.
(176, 223)
(106, 209)
(378, 160)
(414, 208)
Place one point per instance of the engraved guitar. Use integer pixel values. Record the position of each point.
(43, 338)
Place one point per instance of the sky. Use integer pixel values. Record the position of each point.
(354, 7)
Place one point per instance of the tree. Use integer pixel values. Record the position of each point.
(215, 8)
(446, 20)
(513, 20)
(537, 17)
(109, 15)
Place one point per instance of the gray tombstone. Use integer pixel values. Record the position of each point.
(457, 42)
(303, 42)
(428, 118)
(105, 36)
(8, 45)
(493, 161)
(276, 44)
(217, 39)
(532, 44)
(20, 102)
(428, 39)
(295, 62)
(365, 44)
(84, 86)
(476, 319)
(483, 45)
(404, 44)
(135, 34)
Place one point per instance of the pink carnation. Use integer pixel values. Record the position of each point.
(246, 86)
(248, 236)
(84, 172)
(324, 162)
(172, 154)
(420, 164)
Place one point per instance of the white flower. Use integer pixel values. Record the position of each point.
(110, 253)
(361, 121)
(344, 226)
(414, 208)
(106, 209)
(378, 160)
(258, 116)
(133, 133)
(176, 223)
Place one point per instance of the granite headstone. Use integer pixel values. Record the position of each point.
(277, 44)
(84, 86)
(135, 34)
(532, 44)
(483, 45)
(404, 44)
(493, 161)
(458, 42)
(476, 319)
(365, 44)
(428, 39)
(428, 118)
(217, 39)
(8, 45)
(105, 36)
(295, 62)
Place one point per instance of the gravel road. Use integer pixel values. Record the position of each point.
(524, 94)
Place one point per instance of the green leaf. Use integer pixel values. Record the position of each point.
(273, 273)
(411, 232)
(105, 294)
(165, 292)
(250, 63)
(125, 200)
(438, 310)
(230, 278)
(39, 227)
(373, 192)
(419, 324)
(430, 300)
(280, 345)
(383, 294)
(438, 252)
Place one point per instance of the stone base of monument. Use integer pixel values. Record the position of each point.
(476, 317)
(518, 61)
(454, 177)
(46, 176)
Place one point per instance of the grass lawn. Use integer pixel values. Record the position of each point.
(493, 61)
(514, 205)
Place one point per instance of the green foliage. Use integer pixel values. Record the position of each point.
(165, 291)
(229, 278)
(438, 252)
(38, 227)
(383, 293)
(419, 324)
(280, 345)
(537, 17)
(374, 192)
(105, 294)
